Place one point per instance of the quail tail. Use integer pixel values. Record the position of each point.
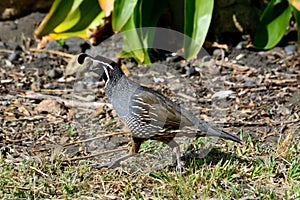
(222, 134)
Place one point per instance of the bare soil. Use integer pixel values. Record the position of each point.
(45, 113)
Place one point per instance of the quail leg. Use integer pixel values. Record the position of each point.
(176, 148)
(116, 163)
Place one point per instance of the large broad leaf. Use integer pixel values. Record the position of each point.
(83, 15)
(123, 10)
(145, 17)
(138, 39)
(197, 19)
(132, 43)
(57, 14)
(72, 18)
(273, 24)
(89, 10)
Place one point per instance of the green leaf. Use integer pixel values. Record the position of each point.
(83, 14)
(122, 12)
(138, 39)
(57, 14)
(89, 10)
(297, 17)
(72, 18)
(132, 43)
(273, 24)
(145, 17)
(197, 19)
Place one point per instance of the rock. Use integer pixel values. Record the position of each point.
(241, 45)
(218, 53)
(76, 45)
(2, 44)
(249, 83)
(54, 45)
(289, 49)
(20, 8)
(191, 71)
(222, 94)
(53, 73)
(10, 31)
(49, 106)
(13, 57)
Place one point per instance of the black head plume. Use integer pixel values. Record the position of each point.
(81, 58)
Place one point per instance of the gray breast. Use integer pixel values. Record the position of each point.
(121, 94)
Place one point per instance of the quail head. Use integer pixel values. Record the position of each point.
(147, 113)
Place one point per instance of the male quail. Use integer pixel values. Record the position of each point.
(147, 113)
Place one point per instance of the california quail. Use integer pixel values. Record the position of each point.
(147, 113)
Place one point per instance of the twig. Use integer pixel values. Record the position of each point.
(259, 123)
(94, 138)
(97, 154)
(270, 84)
(285, 122)
(38, 171)
(6, 51)
(67, 103)
(15, 187)
(52, 52)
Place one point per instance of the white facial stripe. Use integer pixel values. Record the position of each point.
(107, 75)
(103, 63)
(95, 62)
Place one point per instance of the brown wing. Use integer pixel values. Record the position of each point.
(155, 112)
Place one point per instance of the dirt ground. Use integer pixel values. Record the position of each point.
(46, 113)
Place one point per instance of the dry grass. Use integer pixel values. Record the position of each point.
(256, 170)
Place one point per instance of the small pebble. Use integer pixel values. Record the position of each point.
(78, 86)
(8, 63)
(253, 96)
(241, 45)
(222, 94)
(289, 49)
(52, 73)
(191, 71)
(76, 45)
(206, 58)
(240, 56)
(158, 80)
(2, 44)
(13, 57)
(53, 45)
(49, 86)
(219, 53)
(249, 83)
(42, 55)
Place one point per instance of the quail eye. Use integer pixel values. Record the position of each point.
(81, 58)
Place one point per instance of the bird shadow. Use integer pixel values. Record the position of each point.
(195, 160)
